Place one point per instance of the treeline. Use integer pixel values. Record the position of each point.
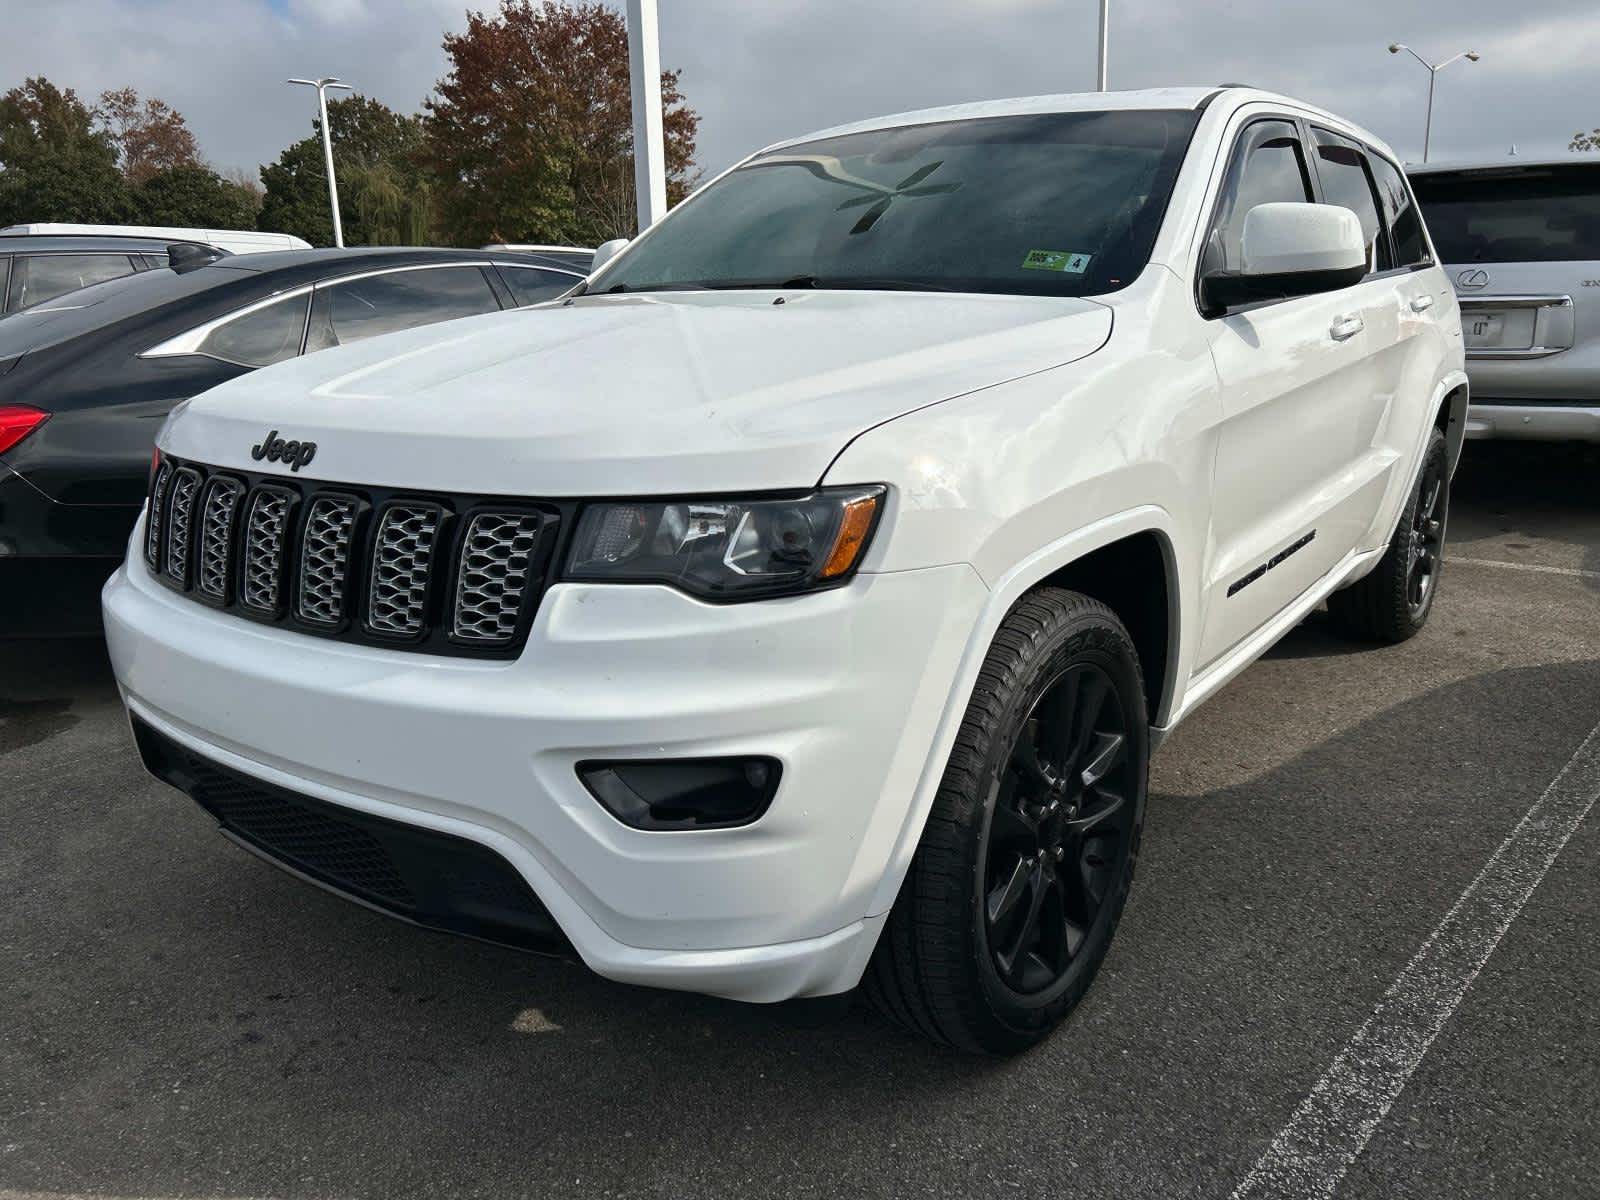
(528, 138)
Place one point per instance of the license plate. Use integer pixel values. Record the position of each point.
(1483, 328)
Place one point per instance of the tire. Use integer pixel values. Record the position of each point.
(1392, 603)
(955, 962)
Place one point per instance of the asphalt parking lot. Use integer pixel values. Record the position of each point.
(179, 1020)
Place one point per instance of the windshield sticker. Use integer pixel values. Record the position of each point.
(1064, 261)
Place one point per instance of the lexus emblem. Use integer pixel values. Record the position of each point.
(1473, 279)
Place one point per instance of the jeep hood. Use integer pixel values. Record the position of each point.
(647, 394)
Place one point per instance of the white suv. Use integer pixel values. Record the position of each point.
(798, 605)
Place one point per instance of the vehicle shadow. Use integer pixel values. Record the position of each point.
(1521, 494)
(45, 682)
(215, 1028)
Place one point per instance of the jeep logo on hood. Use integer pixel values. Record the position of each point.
(274, 449)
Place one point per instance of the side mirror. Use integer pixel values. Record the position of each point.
(605, 252)
(1289, 249)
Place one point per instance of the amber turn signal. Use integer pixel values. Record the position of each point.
(852, 536)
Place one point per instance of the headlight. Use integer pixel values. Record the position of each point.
(728, 550)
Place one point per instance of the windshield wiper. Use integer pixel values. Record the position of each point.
(632, 288)
(733, 285)
(887, 285)
(843, 283)
(792, 283)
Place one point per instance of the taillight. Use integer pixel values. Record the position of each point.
(17, 421)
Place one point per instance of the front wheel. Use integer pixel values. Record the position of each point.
(1392, 603)
(1025, 864)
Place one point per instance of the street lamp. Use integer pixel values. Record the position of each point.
(1433, 72)
(322, 86)
(1102, 79)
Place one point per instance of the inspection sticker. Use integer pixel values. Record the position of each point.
(1064, 261)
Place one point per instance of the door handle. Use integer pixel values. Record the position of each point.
(1422, 304)
(1346, 327)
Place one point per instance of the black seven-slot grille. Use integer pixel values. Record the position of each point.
(444, 574)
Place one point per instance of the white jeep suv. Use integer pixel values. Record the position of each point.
(797, 606)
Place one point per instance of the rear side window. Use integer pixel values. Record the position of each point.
(36, 278)
(1548, 214)
(1269, 166)
(1400, 213)
(347, 312)
(529, 285)
(1346, 181)
(260, 338)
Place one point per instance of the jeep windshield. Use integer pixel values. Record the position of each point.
(1049, 204)
(1512, 214)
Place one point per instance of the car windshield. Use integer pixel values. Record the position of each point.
(1519, 215)
(1047, 204)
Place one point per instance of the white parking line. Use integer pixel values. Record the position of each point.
(1540, 567)
(1334, 1122)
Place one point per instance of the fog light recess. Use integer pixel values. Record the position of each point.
(684, 793)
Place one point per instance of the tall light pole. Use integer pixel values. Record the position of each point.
(649, 148)
(322, 86)
(1105, 44)
(1433, 73)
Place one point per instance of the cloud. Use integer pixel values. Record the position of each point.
(765, 70)
(222, 63)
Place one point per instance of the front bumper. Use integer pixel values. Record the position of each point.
(1552, 422)
(845, 688)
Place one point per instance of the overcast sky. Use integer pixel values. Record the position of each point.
(759, 70)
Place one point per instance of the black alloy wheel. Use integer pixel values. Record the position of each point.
(1392, 601)
(1061, 830)
(1027, 857)
(1425, 546)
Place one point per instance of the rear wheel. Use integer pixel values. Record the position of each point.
(1027, 857)
(1393, 602)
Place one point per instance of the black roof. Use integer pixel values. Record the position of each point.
(318, 261)
(244, 277)
(1507, 167)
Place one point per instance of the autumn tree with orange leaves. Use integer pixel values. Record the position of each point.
(149, 137)
(530, 135)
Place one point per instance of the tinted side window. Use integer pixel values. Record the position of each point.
(1401, 215)
(361, 308)
(1268, 166)
(262, 337)
(1347, 181)
(529, 285)
(36, 278)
